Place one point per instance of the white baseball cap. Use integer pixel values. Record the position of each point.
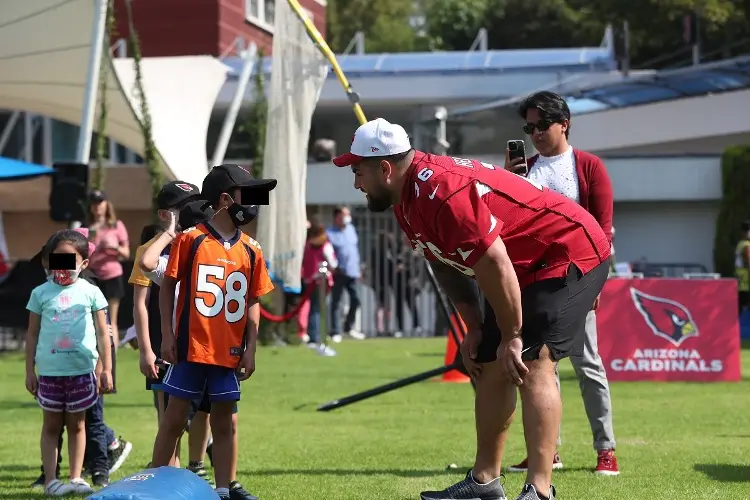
(375, 138)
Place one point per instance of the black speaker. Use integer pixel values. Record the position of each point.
(67, 198)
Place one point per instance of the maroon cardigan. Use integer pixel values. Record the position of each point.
(594, 188)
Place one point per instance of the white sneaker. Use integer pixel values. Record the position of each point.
(80, 487)
(357, 335)
(398, 334)
(311, 345)
(326, 351)
(59, 489)
(337, 338)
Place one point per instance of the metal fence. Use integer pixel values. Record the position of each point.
(397, 297)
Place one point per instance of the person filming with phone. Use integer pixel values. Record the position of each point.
(582, 177)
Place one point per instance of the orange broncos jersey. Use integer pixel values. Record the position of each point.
(217, 280)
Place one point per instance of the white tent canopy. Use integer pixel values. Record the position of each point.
(44, 51)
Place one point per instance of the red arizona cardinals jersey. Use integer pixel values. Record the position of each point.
(456, 208)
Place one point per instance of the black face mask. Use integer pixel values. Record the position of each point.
(242, 214)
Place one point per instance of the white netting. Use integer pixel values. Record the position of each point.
(298, 72)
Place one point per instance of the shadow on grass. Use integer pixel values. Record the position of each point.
(358, 472)
(726, 473)
(109, 403)
(18, 404)
(19, 468)
(566, 375)
(20, 495)
(458, 472)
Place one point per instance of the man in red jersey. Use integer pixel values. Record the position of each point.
(540, 261)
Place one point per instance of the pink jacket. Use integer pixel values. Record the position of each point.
(313, 256)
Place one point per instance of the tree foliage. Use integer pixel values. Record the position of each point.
(453, 24)
(656, 27)
(735, 206)
(385, 23)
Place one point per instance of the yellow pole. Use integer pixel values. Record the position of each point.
(328, 54)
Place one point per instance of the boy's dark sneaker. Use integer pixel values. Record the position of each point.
(468, 489)
(237, 492)
(118, 454)
(100, 479)
(40, 482)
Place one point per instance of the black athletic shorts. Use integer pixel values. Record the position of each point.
(554, 314)
(204, 405)
(113, 288)
(155, 384)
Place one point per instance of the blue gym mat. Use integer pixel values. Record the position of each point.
(164, 483)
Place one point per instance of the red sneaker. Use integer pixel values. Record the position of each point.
(524, 466)
(606, 464)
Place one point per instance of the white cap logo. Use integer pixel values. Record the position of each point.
(375, 138)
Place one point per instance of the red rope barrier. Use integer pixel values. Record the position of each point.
(286, 317)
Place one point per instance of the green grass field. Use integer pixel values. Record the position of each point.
(675, 441)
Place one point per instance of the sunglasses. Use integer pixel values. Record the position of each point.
(541, 126)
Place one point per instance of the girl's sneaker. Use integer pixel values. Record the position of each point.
(79, 486)
(57, 488)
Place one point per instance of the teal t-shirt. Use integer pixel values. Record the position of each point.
(67, 337)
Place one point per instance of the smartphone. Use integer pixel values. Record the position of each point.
(161, 363)
(517, 149)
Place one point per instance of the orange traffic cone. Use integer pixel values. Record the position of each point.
(451, 349)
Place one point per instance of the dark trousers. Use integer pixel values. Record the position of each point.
(342, 282)
(98, 439)
(405, 296)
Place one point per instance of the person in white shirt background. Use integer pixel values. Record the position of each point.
(582, 177)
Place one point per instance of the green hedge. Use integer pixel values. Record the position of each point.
(735, 206)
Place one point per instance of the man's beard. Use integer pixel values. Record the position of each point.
(379, 202)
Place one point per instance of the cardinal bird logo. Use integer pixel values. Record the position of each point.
(666, 318)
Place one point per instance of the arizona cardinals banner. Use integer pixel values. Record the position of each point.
(669, 330)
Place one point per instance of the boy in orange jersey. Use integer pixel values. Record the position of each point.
(222, 274)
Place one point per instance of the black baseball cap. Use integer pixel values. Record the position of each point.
(97, 195)
(176, 193)
(224, 178)
(194, 213)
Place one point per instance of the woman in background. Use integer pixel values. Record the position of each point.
(317, 250)
(110, 237)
